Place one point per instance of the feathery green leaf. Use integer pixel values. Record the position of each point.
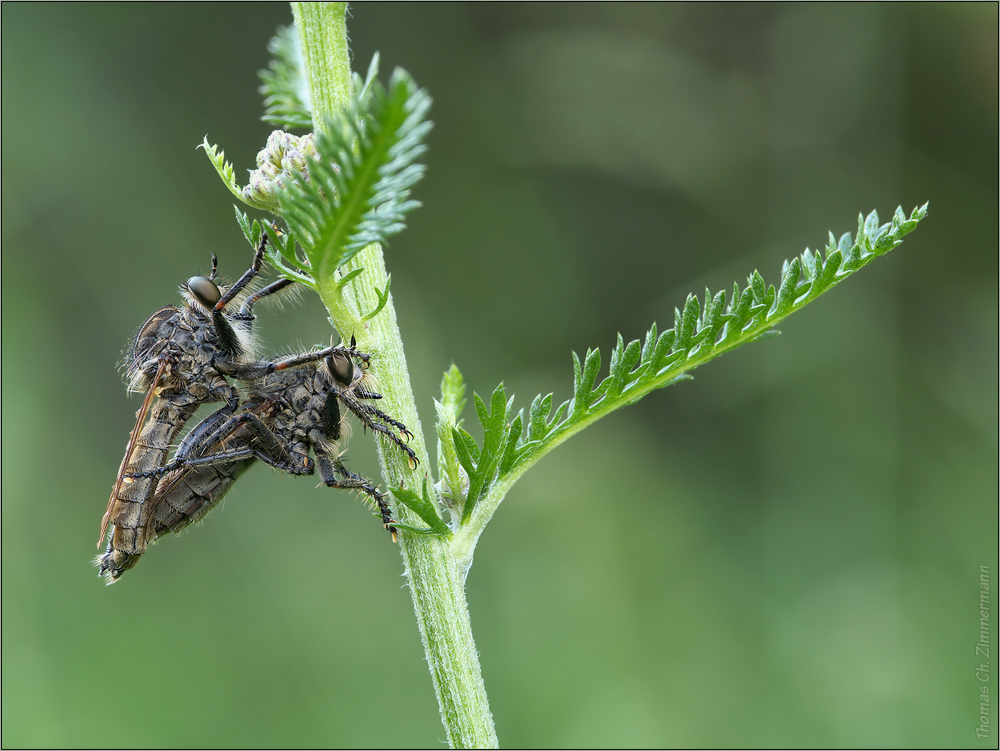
(286, 93)
(700, 333)
(356, 193)
(225, 170)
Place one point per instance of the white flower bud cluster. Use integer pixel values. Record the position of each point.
(283, 159)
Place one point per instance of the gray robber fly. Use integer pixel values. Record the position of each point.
(290, 411)
(180, 358)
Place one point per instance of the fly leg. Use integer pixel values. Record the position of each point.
(330, 467)
(246, 312)
(375, 420)
(210, 431)
(243, 281)
(356, 406)
(261, 443)
(255, 370)
(264, 445)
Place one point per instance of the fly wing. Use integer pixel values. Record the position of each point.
(130, 448)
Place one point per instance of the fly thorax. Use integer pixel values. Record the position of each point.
(306, 419)
(198, 390)
(302, 398)
(147, 344)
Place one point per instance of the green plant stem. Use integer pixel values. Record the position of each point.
(323, 38)
(435, 575)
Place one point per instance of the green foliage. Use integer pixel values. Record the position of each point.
(381, 294)
(284, 86)
(356, 192)
(363, 86)
(349, 186)
(423, 506)
(218, 159)
(454, 480)
(344, 190)
(701, 332)
(286, 94)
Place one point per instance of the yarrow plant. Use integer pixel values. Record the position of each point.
(336, 194)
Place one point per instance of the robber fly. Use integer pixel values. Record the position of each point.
(179, 358)
(293, 410)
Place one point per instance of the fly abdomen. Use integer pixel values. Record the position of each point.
(130, 508)
(184, 496)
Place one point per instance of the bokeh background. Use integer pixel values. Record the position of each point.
(783, 552)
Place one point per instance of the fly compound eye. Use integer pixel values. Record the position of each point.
(204, 290)
(341, 368)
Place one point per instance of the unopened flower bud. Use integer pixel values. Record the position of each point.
(284, 159)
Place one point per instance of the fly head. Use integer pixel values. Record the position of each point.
(343, 369)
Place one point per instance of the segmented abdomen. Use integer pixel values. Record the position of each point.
(131, 508)
(185, 495)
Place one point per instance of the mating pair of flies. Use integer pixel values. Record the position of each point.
(290, 406)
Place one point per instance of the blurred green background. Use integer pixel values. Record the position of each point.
(783, 552)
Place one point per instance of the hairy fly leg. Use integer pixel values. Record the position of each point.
(330, 467)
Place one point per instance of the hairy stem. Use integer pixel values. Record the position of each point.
(435, 575)
(323, 38)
